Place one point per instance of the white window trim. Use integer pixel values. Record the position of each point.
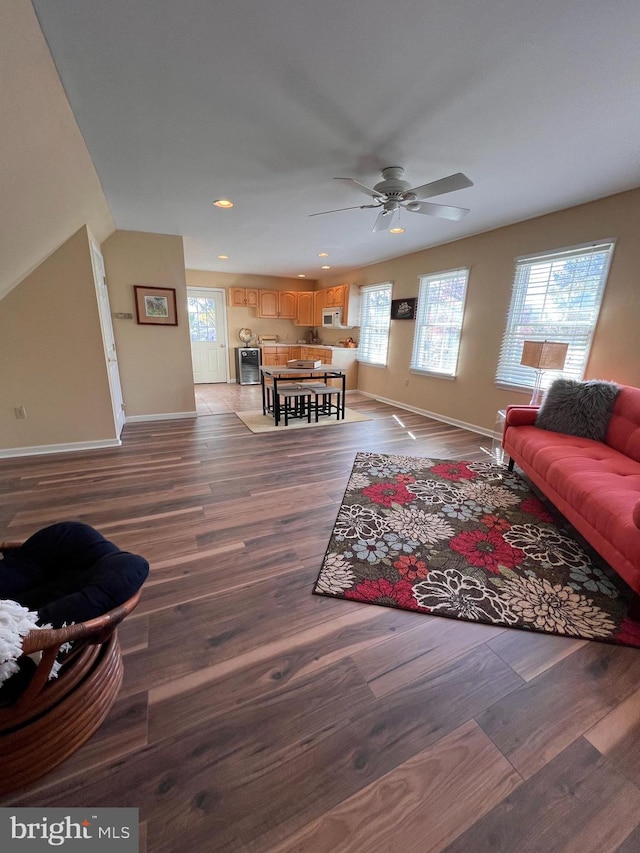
(424, 280)
(362, 355)
(511, 341)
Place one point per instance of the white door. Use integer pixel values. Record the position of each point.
(108, 338)
(208, 327)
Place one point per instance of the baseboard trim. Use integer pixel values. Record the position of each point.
(44, 449)
(169, 416)
(434, 415)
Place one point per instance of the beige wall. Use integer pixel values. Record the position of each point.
(48, 184)
(52, 358)
(239, 318)
(155, 361)
(473, 396)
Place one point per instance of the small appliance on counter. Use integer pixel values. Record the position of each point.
(268, 339)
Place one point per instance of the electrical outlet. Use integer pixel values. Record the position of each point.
(406, 383)
(20, 412)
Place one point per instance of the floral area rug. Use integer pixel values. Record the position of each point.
(468, 540)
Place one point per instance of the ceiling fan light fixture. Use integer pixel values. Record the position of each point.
(223, 202)
(395, 194)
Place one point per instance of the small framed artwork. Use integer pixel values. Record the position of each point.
(156, 306)
(403, 309)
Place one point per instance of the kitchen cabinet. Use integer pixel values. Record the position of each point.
(306, 309)
(334, 296)
(288, 305)
(319, 302)
(280, 355)
(277, 304)
(322, 354)
(271, 356)
(268, 304)
(351, 305)
(243, 297)
(347, 297)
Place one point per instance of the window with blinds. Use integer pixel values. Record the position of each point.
(556, 297)
(375, 318)
(436, 340)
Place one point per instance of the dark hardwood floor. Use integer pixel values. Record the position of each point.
(255, 716)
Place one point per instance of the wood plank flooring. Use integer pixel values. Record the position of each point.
(257, 717)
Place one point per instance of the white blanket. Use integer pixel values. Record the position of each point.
(15, 623)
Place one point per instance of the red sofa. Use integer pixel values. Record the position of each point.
(595, 485)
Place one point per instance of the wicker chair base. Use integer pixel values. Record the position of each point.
(68, 712)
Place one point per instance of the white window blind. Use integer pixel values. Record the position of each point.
(374, 324)
(556, 297)
(436, 340)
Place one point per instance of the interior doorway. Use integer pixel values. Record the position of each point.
(208, 330)
(108, 338)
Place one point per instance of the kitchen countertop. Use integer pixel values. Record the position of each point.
(295, 344)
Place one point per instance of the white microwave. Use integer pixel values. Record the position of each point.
(332, 318)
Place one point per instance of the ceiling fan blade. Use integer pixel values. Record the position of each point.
(338, 209)
(459, 181)
(361, 187)
(443, 211)
(383, 221)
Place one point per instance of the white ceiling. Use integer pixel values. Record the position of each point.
(264, 101)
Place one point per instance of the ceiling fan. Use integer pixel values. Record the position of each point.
(394, 194)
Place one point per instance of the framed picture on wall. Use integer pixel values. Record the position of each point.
(403, 309)
(156, 306)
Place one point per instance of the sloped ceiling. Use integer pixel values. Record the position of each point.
(48, 184)
(265, 101)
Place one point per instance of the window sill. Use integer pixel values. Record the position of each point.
(431, 373)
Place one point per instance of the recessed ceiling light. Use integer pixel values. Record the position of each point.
(223, 257)
(326, 267)
(301, 275)
(223, 202)
(396, 230)
(323, 254)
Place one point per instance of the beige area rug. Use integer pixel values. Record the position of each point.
(257, 422)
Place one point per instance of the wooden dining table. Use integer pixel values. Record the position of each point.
(277, 374)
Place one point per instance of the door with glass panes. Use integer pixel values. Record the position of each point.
(207, 326)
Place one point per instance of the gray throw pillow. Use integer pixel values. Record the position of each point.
(578, 408)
